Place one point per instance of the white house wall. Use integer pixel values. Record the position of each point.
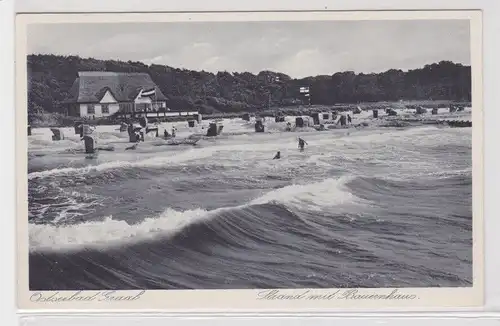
(108, 98)
(113, 108)
(141, 100)
(83, 110)
(113, 105)
(146, 100)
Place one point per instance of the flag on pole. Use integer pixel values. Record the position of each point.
(304, 89)
(148, 92)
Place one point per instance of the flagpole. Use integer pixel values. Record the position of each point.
(133, 109)
(156, 105)
(306, 92)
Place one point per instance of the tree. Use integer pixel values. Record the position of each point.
(50, 78)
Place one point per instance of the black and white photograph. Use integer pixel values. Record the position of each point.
(233, 155)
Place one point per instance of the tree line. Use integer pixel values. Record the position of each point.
(50, 78)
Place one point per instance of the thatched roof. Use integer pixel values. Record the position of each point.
(90, 86)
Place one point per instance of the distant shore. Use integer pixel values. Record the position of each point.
(57, 120)
(306, 110)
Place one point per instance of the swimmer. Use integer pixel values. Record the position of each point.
(133, 147)
(302, 143)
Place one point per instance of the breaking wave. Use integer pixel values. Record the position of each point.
(112, 232)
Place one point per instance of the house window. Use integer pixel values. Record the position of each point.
(125, 107)
(105, 108)
(141, 107)
(90, 109)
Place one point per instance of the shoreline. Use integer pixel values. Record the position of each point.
(56, 120)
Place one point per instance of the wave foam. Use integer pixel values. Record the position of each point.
(314, 196)
(111, 232)
(152, 162)
(179, 157)
(108, 231)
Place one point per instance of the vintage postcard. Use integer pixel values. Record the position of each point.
(238, 162)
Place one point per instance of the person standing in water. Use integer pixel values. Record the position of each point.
(302, 143)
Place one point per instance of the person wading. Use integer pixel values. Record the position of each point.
(302, 144)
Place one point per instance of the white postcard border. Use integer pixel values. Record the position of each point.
(246, 300)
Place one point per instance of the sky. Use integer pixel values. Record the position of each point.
(298, 49)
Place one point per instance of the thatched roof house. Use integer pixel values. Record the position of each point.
(101, 93)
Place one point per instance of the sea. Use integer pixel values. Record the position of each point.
(366, 207)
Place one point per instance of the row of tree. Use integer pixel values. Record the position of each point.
(50, 78)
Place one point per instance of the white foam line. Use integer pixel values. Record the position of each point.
(156, 161)
(110, 232)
